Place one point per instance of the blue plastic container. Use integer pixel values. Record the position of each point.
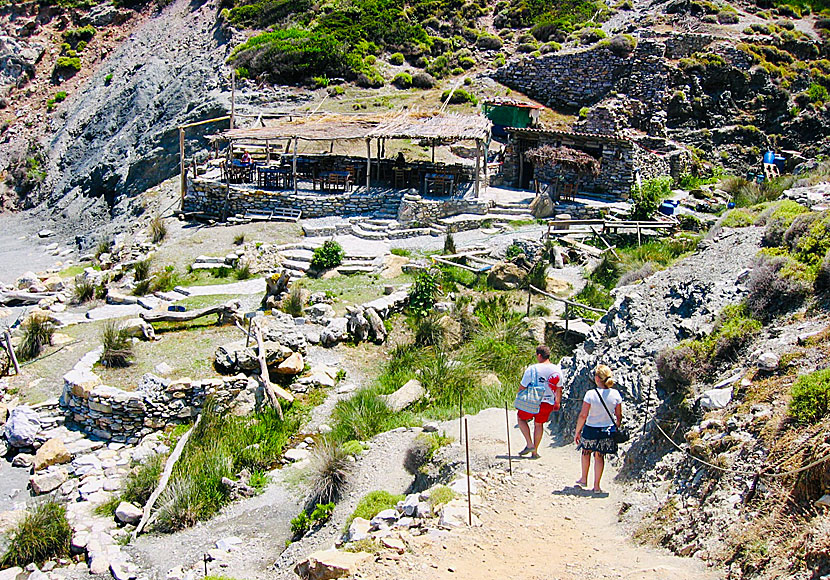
(667, 207)
(730, 205)
(769, 157)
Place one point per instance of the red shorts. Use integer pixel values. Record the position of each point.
(545, 409)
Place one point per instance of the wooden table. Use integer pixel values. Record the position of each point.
(273, 177)
(435, 181)
(333, 180)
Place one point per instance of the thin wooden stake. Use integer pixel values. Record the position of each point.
(529, 293)
(248, 334)
(507, 423)
(12, 355)
(460, 416)
(165, 477)
(469, 498)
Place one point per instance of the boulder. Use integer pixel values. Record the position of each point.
(27, 280)
(490, 380)
(408, 394)
(11, 573)
(293, 365)
(453, 332)
(456, 515)
(53, 452)
(22, 427)
(138, 328)
(336, 331)
(80, 382)
(358, 530)
(48, 480)
(319, 312)
(768, 361)
(715, 399)
(377, 331)
(357, 326)
(127, 513)
(324, 565)
(296, 454)
(505, 276)
(53, 284)
(542, 206)
(25, 460)
(115, 297)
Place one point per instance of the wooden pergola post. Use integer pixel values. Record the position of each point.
(267, 152)
(233, 97)
(486, 158)
(433, 151)
(478, 165)
(377, 171)
(294, 165)
(183, 178)
(368, 162)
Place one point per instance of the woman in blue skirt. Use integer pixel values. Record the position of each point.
(595, 425)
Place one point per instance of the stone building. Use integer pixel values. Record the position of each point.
(621, 160)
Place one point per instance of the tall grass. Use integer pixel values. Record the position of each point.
(221, 446)
(158, 229)
(141, 269)
(84, 289)
(43, 534)
(330, 468)
(37, 333)
(118, 345)
(294, 301)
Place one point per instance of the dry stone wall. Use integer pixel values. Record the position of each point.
(414, 208)
(122, 416)
(213, 198)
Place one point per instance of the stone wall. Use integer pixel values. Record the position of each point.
(684, 44)
(209, 197)
(414, 208)
(125, 416)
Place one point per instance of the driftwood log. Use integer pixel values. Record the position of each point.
(165, 477)
(272, 392)
(23, 298)
(166, 316)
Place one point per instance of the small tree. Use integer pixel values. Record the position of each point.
(424, 292)
(648, 196)
(329, 255)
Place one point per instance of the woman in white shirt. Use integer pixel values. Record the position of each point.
(596, 424)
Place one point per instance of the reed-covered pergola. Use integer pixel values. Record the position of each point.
(564, 159)
(438, 128)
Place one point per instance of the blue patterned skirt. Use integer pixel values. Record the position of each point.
(598, 439)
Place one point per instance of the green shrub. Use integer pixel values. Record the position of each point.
(118, 345)
(583, 112)
(239, 239)
(84, 289)
(143, 480)
(591, 35)
(459, 96)
(352, 447)
(424, 292)
(423, 80)
(427, 329)
(647, 197)
(329, 255)
(329, 471)
(43, 534)
(449, 244)
(77, 35)
(361, 417)
(141, 268)
(243, 271)
(810, 397)
(37, 333)
(400, 252)
(402, 80)
(440, 495)
(422, 449)
(817, 94)
(737, 218)
(67, 65)
(158, 229)
(373, 503)
(489, 42)
(396, 59)
(776, 285)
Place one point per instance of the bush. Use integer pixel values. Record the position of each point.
(677, 366)
(239, 239)
(76, 35)
(360, 417)
(423, 80)
(141, 269)
(158, 229)
(591, 35)
(243, 271)
(67, 65)
(791, 238)
(402, 80)
(118, 345)
(373, 503)
(424, 292)
(441, 495)
(421, 450)
(449, 244)
(728, 17)
(294, 301)
(84, 289)
(428, 330)
(823, 275)
(489, 42)
(329, 255)
(396, 59)
(143, 480)
(737, 218)
(37, 333)
(771, 287)
(810, 397)
(647, 198)
(459, 96)
(622, 45)
(43, 534)
(329, 471)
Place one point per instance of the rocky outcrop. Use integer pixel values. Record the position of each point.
(18, 59)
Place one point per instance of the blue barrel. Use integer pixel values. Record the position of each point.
(730, 205)
(781, 163)
(666, 208)
(769, 157)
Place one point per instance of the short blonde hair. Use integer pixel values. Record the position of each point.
(606, 374)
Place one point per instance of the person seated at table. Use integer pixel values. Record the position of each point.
(246, 157)
(400, 160)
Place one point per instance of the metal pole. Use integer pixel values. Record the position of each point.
(507, 423)
(469, 499)
(12, 355)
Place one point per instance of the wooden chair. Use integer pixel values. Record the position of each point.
(771, 171)
(568, 191)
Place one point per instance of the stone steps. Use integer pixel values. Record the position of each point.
(295, 265)
(355, 269)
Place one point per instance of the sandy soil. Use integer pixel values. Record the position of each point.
(536, 521)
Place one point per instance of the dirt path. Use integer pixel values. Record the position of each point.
(536, 521)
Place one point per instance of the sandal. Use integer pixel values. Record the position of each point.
(535, 456)
(525, 451)
(580, 483)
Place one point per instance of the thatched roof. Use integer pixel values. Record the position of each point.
(565, 157)
(447, 127)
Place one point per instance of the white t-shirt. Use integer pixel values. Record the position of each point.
(547, 375)
(597, 417)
